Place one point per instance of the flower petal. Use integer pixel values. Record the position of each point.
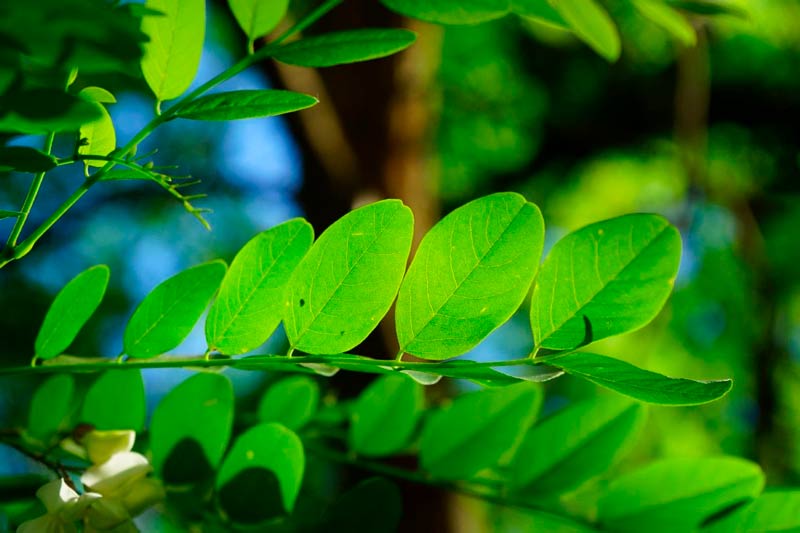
(104, 514)
(74, 509)
(46, 524)
(55, 494)
(119, 470)
(142, 495)
(101, 445)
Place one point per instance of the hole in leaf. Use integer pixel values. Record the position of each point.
(302, 302)
(186, 464)
(252, 496)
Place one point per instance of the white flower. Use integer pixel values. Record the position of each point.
(64, 506)
(98, 446)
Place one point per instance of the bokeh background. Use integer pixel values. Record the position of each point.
(707, 136)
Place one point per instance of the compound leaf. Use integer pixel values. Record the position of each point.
(252, 103)
(291, 401)
(258, 17)
(97, 137)
(345, 47)
(450, 11)
(50, 407)
(115, 401)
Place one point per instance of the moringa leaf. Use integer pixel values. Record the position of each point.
(115, 401)
(450, 11)
(97, 137)
(253, 293)
(668, 19)
(345, 47)
(71, 309)
(254, 103)
(347, 282)
(592, 24)
(469, 275)
(51, 406)
(291, 401)
(258, 17)
(772, 512)
(25, 159)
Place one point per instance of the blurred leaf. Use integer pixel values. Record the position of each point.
(477, 430)
(637, 383)
(9, 214)
(172, 56)
(385, 415)
(373, 505)
(347, 282)
(97, 137)
(51, 406)
(291, 401)
(592, 24)
(345, 47)
(24, 159)
(450, 11)
(167, 315)
(70, 310)
(201, 409)
(258, 17)
(235, 105)
(115, 401)
(253, 293)
(469, 275)
(271, 447)
(541, 11)
(710, 7)
(604, 279)
(592, 436)
(678, 494)
(98, 94)
(38, 111)
(668, 19)
(776, 511)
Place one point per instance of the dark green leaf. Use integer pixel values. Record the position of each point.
(50, 407)
(9, 214)
(592, 24)
(236, 105)
(42, 110)
(373, 505)
(710, 7)
(291, 401)
(772, 512)
(24, 159)
(258, 17)
(345, 47)
(450, 11)
(115, 401)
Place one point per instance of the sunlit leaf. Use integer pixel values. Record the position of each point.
(291, 401)
(243, 104)
(71, 309)
(667, 18)
(469, 275)
(347, 282)
(677, 494)
(98, 94)
(450, 11)
(592, 24)
(115, 401)
(772, 512)
(540, 11)
(25, 159)
(253, 293)
(97, 137)
(176, 37)
(477, 430)
(166, 316)
(345, 47)
(604, 279)
(385, 415)
(50, 407)
(258, 17)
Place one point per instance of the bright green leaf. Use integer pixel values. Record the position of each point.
(270, 447)
(347, 282)
(477, 430)
(176, 37)
(385, 415)
(25, 159)
(258, 17)
(115, 401)
(640, 384)
(668, 19)
(235, 105)
(772, 512)
(345, 47)
(291, 401)
(98, 94)
(540, 11)
(711, 7)
(607, 278)
(70, 310)
(677, 494)
(50, 407)
(167, 315)
(592, 436)
(592, 24)
(450, 11)
(199, 409)
(253, 293)
(97, 137)
(469, 275)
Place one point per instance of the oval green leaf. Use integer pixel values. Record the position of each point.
(258, 17)
(541, 12)
(25, 159)
(347, 282)
(71, 309)
(637, 383)
(97, 137)
(51, 407)
(167, 315)
(385, 415)
(469, 275)
(115, 401)
(772, 512)
(345, 47)
(678, 494)
(291, 401)
(450, 11)
(253, 293)
(253, 103)
(270, 447)
(477, 430)
(199, 409)
(592, 436)
(607, 278)
(592, 24)
(172, 55)
(668, 19)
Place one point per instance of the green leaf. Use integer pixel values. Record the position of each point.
(291, 401)
(373, 505)
(668, 19)
(450, 11)
(235, 105)
(345, 47)
(115, 401)
(253, 294)
(25, 159)
(711, 7)
(677, 494)
(9, 214)
(637, 383)
(477, 430)
(604, 279)
(592, 436)
(98, 94)
(385, 415)
(70, 310)
(172, 56)
(42, 110)
(270, 447)
(167, 315)
(592, 24)
(200, 409)
(97, 137)
(347, 282)
(540, 11)
(777, 511)
(51, 406)
(469, 275)
(258, 17)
